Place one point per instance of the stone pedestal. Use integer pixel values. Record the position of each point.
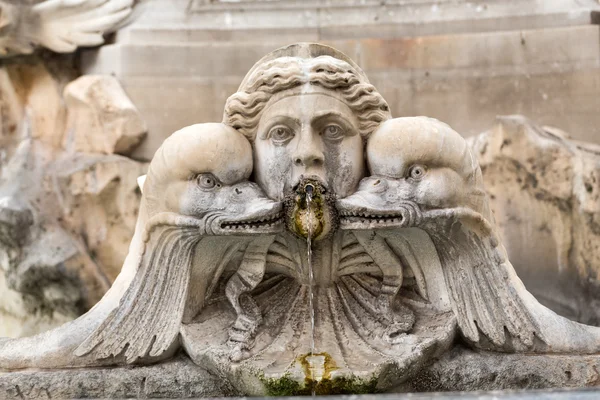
(459, 370)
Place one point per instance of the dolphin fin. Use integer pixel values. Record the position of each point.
(145, 325)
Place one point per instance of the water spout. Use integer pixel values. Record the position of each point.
(318, 215)
(309, 190)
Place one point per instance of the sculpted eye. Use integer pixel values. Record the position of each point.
(417, 172)
(280, 135)
(207, 181)
(333, 132)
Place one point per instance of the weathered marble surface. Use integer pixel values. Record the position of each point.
(179, 378)
(459, 370)
(309, 242)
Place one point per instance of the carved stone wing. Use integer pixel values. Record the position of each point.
(146, 323)
(64, 25)
(483, 293)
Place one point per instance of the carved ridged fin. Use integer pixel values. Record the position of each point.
(146, 323)
(247, 277)
(482, 294)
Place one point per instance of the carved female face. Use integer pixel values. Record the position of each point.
(308, 135)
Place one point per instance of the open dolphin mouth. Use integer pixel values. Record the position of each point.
(253, 223)
(404, 215)
(372, 219)
(266, 220)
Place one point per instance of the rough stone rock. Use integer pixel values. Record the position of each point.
(101, 118)
(66, 217)
(81, 212)
(544, 190)
(31, 89)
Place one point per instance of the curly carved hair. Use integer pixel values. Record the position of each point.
(244, 108)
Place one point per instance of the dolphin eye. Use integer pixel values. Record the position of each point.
(417, 172)
(207, 181)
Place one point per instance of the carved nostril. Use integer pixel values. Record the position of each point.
(238, 190)
(309, 161)
(377, 182)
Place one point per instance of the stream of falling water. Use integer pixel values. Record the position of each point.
(311, 278)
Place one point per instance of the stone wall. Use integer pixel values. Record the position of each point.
(461, 62)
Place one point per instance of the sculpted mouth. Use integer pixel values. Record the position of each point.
(253, 223)
(300, 186)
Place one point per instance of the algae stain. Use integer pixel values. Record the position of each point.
(284, 386)
(308, 362)
(304, 214)
(287, 386)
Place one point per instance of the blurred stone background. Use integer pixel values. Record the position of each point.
(72, 146)
(68, 191)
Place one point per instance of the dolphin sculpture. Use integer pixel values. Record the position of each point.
(196, 187)
(425, 176)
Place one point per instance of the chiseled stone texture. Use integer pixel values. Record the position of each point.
(178, 378)
(230, 206)
(467, 370)
(67, 213)
(458, 370)
(544, 189)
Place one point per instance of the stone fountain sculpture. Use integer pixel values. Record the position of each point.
(312, 242)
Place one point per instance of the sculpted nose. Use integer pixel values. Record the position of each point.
(309, 154)
(309, 161)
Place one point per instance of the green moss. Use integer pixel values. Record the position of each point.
(286, 386)
(346, 385)
(301, 210)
